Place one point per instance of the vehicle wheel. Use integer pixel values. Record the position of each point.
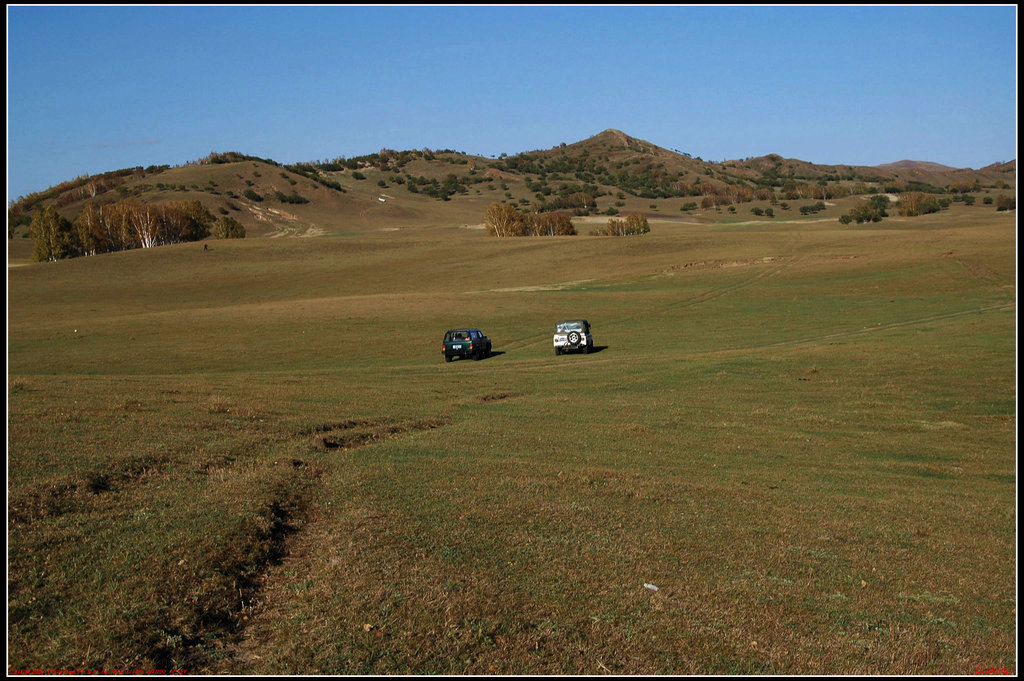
(586, 349)
(558, 351)
(573, 338)
(447, 358)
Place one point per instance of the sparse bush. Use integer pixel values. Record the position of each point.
(864, 213)
(227, 228)
(331, 184)
(880, 202)
(290, 198)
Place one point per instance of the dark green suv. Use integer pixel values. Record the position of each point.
(465, 343)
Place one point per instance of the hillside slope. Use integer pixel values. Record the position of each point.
(608, 173)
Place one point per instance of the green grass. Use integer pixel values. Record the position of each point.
(254, 460)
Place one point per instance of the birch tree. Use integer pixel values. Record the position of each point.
(502, 219)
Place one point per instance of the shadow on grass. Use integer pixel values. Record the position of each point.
(494, 353)
(594, 350)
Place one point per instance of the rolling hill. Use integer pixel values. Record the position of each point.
(608, 173)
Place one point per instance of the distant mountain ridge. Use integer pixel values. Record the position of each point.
(923, 165)
(602, 174)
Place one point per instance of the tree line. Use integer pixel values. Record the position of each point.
(503, 219)
(634, 223)
(915, 203)
(20, 212)
(124, 226)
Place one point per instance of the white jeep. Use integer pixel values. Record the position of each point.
(573, 335)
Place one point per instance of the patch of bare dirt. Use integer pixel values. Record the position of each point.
(360, 433)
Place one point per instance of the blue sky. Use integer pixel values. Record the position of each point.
(93, 89)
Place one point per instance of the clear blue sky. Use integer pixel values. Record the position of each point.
(93, 89)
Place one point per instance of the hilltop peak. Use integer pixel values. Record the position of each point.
(611, 134)
(916, 165)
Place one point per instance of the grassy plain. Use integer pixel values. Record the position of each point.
(793, 453)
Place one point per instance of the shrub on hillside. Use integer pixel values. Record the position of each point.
(294, 197)
(227, 228)
(872, 211)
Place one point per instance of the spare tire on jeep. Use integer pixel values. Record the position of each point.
(573, 335)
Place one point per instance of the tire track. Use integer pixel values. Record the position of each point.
(295, 536)
(885, 327)
(620, 359)
(783, 263)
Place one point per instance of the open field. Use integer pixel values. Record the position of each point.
(254, 460)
